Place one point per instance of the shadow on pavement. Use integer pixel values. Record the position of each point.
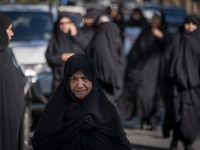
(142, 147)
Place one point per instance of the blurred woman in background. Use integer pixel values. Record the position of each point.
(12, 99)
(141, 96)
(61, 47)
(182, 85)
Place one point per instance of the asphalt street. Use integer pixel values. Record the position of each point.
(141, 139)
(152, 140)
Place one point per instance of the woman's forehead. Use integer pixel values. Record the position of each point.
(65, 19)
(78, 73)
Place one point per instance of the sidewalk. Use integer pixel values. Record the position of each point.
(153, 140)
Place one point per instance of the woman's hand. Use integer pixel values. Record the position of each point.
(73, 29)
(156, 32)
(65, 56)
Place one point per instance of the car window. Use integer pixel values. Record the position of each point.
(174, 15)
(76, 18)
(31, 26)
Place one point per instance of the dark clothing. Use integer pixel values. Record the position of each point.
(84, 36)
(142, 80)
(107, 52)
(133, 29)
(182, 67)
(142, 23)
(120, 23)
(74, 124)
(86, 33)
(60, 43)
(11, 95)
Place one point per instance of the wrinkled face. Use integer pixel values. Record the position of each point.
(190, 27)
(80, 85)
(9, 32)
(65, 24)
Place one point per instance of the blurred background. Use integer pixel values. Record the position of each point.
(191, 6)
(33, 21)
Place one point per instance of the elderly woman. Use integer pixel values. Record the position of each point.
(11, 92)
(79, 116)
(183, 85)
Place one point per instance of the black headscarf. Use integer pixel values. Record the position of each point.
(92, 13)
(63, 40)
(191, 18)
(142, 22)
(74, 124)
(188, 19)
(11, 94)
(184, 62)
(4, 24)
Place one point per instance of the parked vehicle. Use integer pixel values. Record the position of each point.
(96, 3)
(174, 17)
(32, 26)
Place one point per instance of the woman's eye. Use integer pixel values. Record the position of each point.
(72, 79)
(85, 78)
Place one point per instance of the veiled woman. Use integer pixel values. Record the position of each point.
(11, 92)
(182, 85)
(142, 81)
(79, 116)
(106, 50)
(61, 47)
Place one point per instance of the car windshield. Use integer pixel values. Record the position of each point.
(174, 15)
(31, 25)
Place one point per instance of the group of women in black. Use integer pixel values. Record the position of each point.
(94, 39)
(143, 74)
(156, 73)
(162, 71)
(94, 87)
(81, 113)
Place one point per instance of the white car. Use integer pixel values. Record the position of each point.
(32, 26)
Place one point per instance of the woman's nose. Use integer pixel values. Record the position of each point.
(80, 83)
(13, 33)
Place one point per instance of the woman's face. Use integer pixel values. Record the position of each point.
(80, 85)
(65, 24)
(136, 16)
(155, 21)
(89, 21)
(190, 27)
(9, 32)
